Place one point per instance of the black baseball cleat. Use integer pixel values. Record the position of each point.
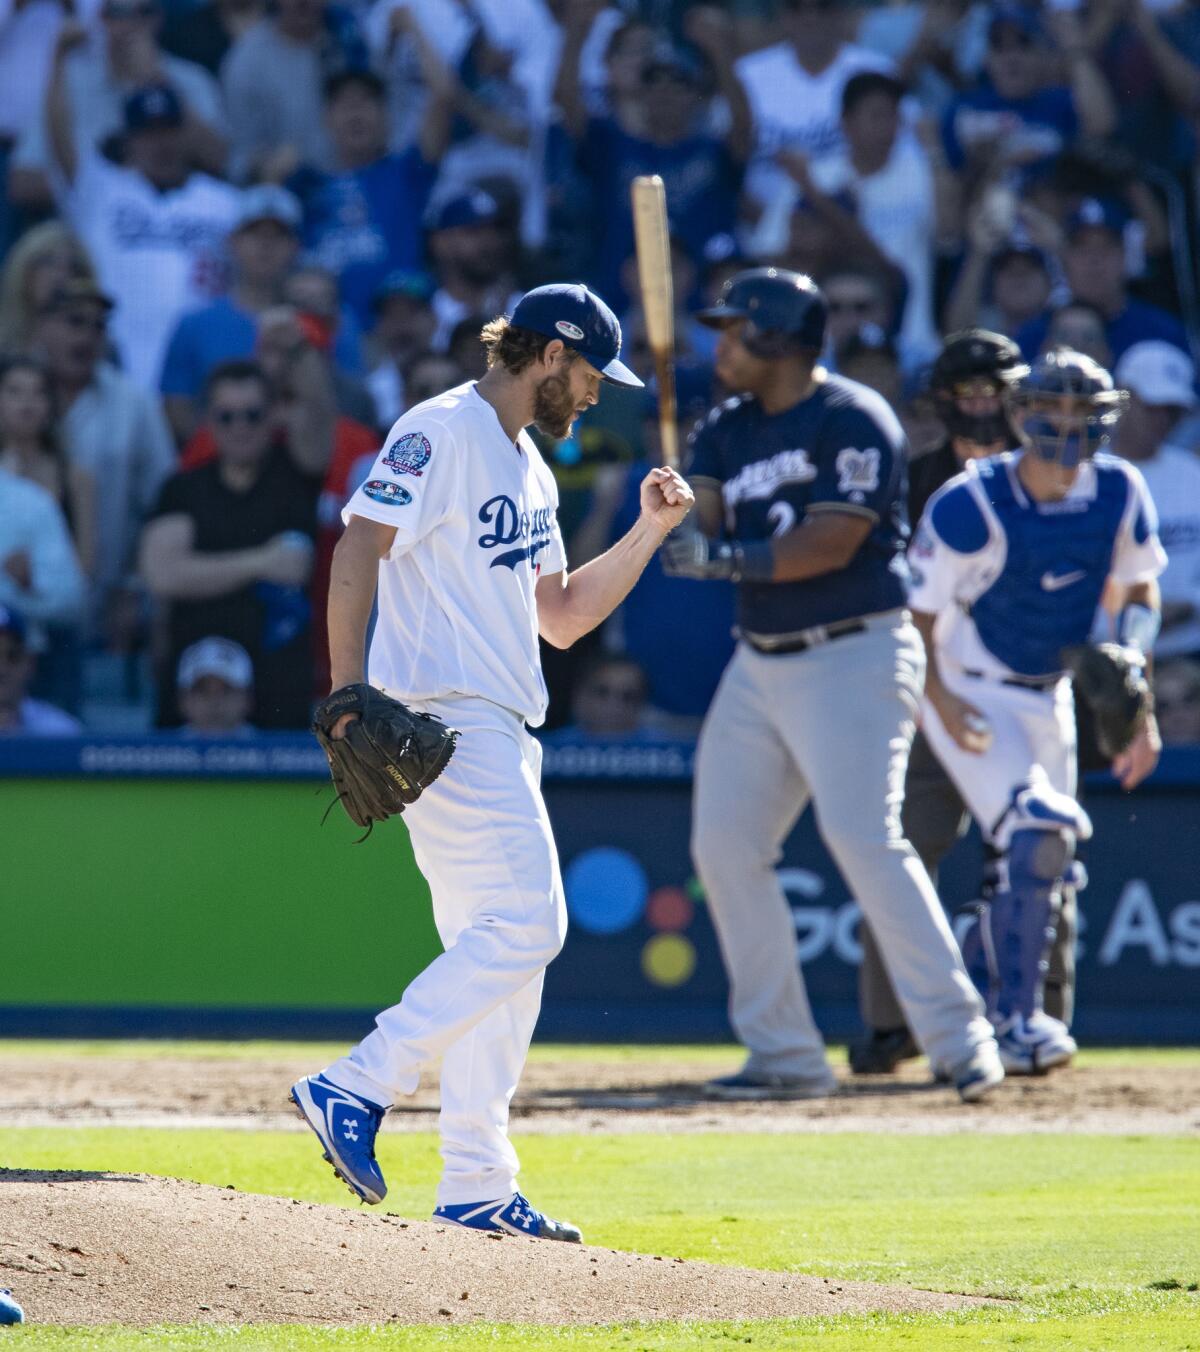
(882, 1050)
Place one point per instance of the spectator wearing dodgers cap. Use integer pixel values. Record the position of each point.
(1161, 384)
(21, 716)
(215, 689)
(1095, 266)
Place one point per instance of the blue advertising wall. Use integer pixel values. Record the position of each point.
(642, 953)
(641, 960)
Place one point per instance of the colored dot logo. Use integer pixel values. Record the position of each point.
(668, 960)
(606, 890)
(669, 957)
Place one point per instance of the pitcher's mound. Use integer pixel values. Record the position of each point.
(85, 1248)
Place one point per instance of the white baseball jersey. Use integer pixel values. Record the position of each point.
(158, 253)
(476, 526)
(1013, 581)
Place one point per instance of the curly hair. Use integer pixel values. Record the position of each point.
(513, 348)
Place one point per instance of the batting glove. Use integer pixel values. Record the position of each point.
(688, 553)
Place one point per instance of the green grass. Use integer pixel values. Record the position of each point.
(1068, 1325)
(1094, 1236)
(650, 1054)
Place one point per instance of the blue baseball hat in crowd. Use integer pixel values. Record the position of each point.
(12, 623)
(1100, 213)
(469, 208)
(569, 311)
(153, 107)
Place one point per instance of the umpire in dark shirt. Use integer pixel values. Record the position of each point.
(968, 384)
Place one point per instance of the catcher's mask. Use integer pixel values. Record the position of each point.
(1068, 408)
(785, 312)
(981, 366)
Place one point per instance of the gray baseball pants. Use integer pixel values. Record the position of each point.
(833, 725)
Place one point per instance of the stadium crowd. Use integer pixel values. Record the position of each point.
(238, 239)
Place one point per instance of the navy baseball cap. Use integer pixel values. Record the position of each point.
(577, 316)
(1024, 18)
(469, 208)
(152, 107)
(12, 623)
(1100, 213)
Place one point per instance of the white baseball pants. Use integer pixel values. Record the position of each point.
(482, 838)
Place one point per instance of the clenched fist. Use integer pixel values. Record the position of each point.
(666, 498)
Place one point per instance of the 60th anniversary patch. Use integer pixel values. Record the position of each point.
(391, 495)
(408, 454)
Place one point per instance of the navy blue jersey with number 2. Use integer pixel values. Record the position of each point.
(841, 449)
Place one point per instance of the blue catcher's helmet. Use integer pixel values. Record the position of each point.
(1068, 407)
(785, 312)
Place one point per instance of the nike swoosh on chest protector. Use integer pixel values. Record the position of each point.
(1053, 582)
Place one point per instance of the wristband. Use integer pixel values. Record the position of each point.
(1138, 626)
(753, 561)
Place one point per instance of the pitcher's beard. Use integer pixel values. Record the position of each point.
(553, 407)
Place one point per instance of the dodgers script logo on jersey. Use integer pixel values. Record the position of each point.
(391, 495)
(409, 454)
(510, 524)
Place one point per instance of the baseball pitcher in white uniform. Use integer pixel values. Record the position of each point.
(1009, 565)
(456, 529)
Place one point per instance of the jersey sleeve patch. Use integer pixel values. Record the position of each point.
(958, 521)
(408, 454)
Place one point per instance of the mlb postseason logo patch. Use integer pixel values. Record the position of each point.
(408, 454)
(391, 495)
(569, 330)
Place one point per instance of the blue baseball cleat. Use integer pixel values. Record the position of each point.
(513, 1215)
(1034, 1045)
(346, 1126)
(10, 1311)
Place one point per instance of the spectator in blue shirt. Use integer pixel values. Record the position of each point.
(363, 218)
(659, 127)
(262, 248)
(680, 632)
(1095, 269)
(1017, 114)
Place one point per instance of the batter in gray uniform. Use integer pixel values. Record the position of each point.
(800, 486)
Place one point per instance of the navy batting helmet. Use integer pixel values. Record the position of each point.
(785, 312)
(1069, 406)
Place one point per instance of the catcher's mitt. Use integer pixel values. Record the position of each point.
(1112, 680)
(389, 755)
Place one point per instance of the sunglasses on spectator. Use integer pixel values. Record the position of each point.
(144, 11)
(228, 417)
(1010, 40)
(852, 307)
(92, 323)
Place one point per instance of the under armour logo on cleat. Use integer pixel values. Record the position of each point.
(350, 1123)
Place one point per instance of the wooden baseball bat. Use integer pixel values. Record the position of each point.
(658, 303)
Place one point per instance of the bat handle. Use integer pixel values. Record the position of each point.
(668, 418)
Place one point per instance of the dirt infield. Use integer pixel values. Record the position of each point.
(578, 1095)
(88, 1248)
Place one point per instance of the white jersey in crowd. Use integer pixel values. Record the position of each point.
(1173, 478)
(157, 253)
(476, 526)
